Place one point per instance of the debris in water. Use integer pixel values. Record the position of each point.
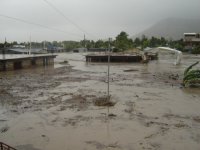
(112, 115)
(99, 145)
(131, 70)
(181, 125)
(64, 62)
(197, 119)
(103, 101)
(4, 129)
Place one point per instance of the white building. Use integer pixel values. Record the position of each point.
(191, 40)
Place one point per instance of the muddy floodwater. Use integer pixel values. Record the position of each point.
(53, 108)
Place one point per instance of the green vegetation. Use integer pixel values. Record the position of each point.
(156, 42)
(152, 42)
(196, 50)
(191, 77)
(120, 43)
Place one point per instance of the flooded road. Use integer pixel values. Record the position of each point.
(53, 108)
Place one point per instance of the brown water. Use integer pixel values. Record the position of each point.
(52, 108)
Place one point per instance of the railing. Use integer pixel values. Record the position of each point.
(4, 146)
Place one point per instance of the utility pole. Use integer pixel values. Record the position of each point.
(4, 56)
(4, 49)
(109, 47)
(30, 46)
(44, 44)
(84, 42)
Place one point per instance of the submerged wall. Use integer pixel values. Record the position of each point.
(26, 62)
(118, 58)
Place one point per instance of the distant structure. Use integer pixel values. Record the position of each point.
(97, 49)
(79, 50)
(117, 58)
(55, 49)
(21, 49)
(178, 53)
(14, 62)
(24, 51)
(26, 61)
(191, 40)
(19, 46)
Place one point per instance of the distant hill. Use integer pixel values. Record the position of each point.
(171, 28)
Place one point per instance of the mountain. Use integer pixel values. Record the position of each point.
(172, 28)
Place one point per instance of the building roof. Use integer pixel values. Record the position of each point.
(97, 49)
(190, 33)
(22, 50)
(19, 50)
(81, 49)
(19, 46)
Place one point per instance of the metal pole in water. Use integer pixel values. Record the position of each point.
(84, 42)
(4, 49)
(4, 56)
(109, 70)
(30, 46)
(44, 45)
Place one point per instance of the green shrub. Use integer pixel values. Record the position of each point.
(196, 50)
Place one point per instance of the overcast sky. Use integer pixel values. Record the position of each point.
(98, 19)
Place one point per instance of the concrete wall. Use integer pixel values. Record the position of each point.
(50, 61)
(39, 62)
(1, 66)
(22, 63)
(9, 65)
(26, 63)
(113, 58)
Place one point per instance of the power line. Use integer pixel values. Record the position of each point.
(36, 24)
(66, 18)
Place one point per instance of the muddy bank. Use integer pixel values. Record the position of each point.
(54, 108)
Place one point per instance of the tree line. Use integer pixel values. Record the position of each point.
(121, 43)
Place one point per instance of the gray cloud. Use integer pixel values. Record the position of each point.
(100, 18)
